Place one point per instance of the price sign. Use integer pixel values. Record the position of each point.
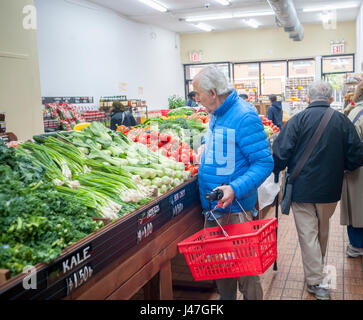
(79, 277)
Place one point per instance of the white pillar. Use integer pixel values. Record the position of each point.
(359, 44)
(317, 67)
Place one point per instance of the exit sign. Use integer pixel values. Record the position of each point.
(195, 56)
(337, 48)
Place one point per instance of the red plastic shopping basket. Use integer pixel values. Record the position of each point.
(249, 249)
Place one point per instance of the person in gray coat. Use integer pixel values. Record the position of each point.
(351, 212)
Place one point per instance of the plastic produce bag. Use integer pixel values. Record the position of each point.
(267, 191)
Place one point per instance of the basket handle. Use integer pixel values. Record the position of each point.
(211, 213)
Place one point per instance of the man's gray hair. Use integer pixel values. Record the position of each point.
(213, 78)
(320, 90)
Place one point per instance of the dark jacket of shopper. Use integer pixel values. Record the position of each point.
(339, 149)
(122, 118)
(274, 113)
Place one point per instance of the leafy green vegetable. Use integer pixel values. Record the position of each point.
(36, 221)
(176, 102)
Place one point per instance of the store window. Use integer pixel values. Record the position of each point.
(337, 64)
(335, 70)
(246, 78)
(301, 75)
(301, 68)
(273, 76)
(192, 70)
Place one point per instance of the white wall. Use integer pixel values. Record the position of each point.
(359, 55)
(87, 50)
(19, 73)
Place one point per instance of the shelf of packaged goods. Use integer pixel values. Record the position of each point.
(81, 265)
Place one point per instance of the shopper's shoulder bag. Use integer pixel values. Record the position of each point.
(290, 179)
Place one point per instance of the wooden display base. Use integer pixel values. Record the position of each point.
(4, 275)
(134, 270)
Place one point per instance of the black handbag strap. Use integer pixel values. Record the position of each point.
(312, 143)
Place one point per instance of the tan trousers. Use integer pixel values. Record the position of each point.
(249, 286)
(312, 224)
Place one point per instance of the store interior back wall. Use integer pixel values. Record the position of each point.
(87, 50)
(266, 43)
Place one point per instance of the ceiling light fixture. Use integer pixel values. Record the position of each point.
(253, 14)
(332, 7)
(252, 23)
(207, 18)
(204, 27)
(155, 5)
(223, 2)
(230, 16)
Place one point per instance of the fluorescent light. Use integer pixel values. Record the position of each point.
(204, 27)
(332, 7)
(252, 23)
(207, 18)
(155, 5)
(253, 14)
(230, 16)
(223, 2)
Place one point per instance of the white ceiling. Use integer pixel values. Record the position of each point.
(180, 9)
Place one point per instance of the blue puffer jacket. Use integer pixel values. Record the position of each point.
(237, 152)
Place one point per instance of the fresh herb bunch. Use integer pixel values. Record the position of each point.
(176, 102)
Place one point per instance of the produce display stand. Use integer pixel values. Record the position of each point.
(262, 108)
(119, 258)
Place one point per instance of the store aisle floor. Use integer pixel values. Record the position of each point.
(288, 282)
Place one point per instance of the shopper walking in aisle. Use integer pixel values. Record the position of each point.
(274, 112)
(317, 189)
(192, 99)
(351, 205)
(236, 153)
(121, 116)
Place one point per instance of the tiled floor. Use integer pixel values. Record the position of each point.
(287, 283)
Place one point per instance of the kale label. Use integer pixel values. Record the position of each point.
(69, 263)
(74, 261)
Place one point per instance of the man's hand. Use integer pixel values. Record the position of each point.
(228, 196)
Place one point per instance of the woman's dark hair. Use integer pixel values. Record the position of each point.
(118, 106)
(272, 97)
(192, 94)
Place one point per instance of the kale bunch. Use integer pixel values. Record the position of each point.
(36, 221)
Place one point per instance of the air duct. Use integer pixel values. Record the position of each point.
(286, 14)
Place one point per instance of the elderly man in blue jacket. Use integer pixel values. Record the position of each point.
(236, 153)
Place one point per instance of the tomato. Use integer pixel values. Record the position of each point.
(143, 140)
(164, 137)
(167, 146)
(184, 158)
